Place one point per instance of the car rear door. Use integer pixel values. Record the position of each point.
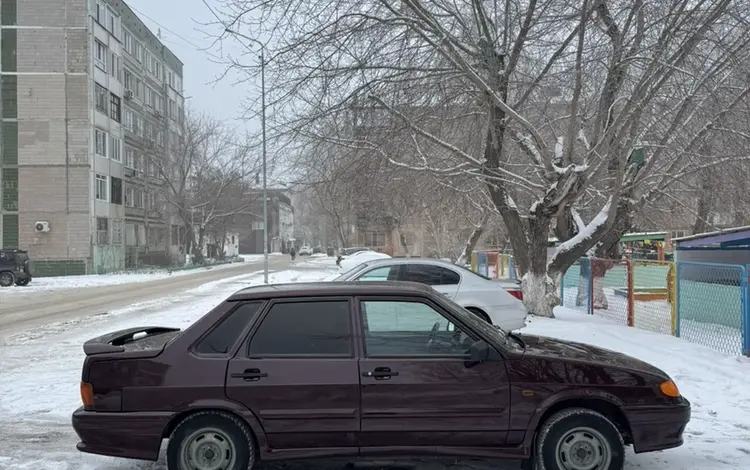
(417, 388)
(299, 375)
(442, 280)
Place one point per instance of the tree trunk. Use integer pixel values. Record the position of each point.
(476, 234)
(402, 239)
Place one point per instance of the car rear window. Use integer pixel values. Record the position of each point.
(227, 332)
(304, 329)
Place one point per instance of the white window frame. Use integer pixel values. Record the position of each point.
(100, 142)
(129, 158)
(128, 196)
(115, 148)
(100, 55)
(102, 182)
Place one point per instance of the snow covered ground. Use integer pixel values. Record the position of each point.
(40, 372)
(94, 280)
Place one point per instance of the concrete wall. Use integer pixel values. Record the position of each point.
(53, 128)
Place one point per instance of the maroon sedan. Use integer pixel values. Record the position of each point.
(365, 371)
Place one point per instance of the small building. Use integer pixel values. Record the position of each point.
(729, 246)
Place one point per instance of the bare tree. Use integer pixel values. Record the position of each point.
(547, 103)
(203, 175)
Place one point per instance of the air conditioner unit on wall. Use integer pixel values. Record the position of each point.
(41, 226)
(128, 94)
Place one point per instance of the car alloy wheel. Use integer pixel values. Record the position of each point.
(6, 279)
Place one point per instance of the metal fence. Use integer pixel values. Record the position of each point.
(701, 302)
(712, 306)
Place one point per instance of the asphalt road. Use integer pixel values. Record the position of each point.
(22, 312)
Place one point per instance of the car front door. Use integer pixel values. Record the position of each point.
(442, 280)
(418, 388)
(298, 373)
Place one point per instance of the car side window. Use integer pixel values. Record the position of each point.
(423, 273)
(409, 328)
(380, 274)
(449, 277)
(226, 333)
(304, 329)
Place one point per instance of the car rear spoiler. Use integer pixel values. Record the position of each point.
(114, 342)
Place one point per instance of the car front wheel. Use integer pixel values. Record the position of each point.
(6, 279)
(579, 439)
(23, 281)
(211, 441)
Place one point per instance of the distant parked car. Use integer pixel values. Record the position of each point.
(365, 371)
(498, 302)
(305, 251)
(15, 268)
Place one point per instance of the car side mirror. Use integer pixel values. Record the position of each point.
(479, 351)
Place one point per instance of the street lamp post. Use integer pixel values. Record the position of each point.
(263, 126)
(265, 185)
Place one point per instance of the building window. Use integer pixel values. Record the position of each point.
(129, 158)
(117, 231)
(116, 195)
(100, 138)
(115, 148)
(101, 97)
(128, 196)
(101, 13)
(127, 39)
(114, 65)
(127, 80)
(101, 187)
(113, 23)
(100, 55)
(115, 107)
(139, 198)
(102, 231)
(372, 239)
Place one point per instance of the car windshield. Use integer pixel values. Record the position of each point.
(351, 271)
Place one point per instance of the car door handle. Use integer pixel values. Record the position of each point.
(380, 373)
(250, 375)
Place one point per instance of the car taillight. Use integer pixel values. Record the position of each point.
(517, 293)
(87, 395)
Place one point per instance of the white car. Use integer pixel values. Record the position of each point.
(305, 251)
(499, 302)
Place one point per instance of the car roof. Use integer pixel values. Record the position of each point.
(313, 289)
(429, 261)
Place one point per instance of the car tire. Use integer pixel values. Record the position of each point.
(208, 435)
(579, 436)
(23, 282)
(7, 279)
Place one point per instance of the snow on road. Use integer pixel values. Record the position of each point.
(41, 371)
(95, 280)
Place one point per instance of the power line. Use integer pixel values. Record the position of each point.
(187, 41)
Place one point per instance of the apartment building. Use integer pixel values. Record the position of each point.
(90, 99)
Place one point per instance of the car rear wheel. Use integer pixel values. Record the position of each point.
(6, 279)
(480, 314)
(211, 440)
(579, 439)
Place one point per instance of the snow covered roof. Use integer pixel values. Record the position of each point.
(732, 235)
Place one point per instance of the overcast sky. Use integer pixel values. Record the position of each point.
(181, 32)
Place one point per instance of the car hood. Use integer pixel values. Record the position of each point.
(542, 346)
